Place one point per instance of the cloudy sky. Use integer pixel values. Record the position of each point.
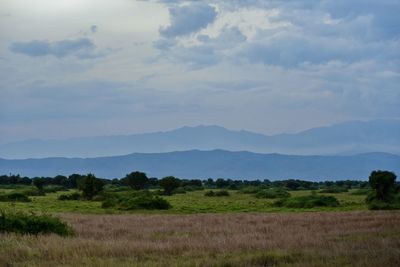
(99, 67)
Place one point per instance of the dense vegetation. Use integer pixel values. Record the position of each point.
(31, 223)
(136, 191)
(385, 192)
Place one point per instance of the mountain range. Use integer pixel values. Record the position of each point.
(214, 164)
(348, 138)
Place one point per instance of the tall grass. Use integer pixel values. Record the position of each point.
(295, 239)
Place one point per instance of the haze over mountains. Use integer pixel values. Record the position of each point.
(347, 138)
(214, 164)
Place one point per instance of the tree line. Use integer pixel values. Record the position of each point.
(139, 180)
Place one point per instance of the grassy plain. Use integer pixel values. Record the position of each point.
(356, 238)
(189, 203)
(235, 230)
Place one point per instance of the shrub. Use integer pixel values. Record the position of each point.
(250, 190)
(272, 193)
(334, 189)
(14, 197)
(53, 188)
(361, 191)
(24, 223)
(189, 188)
(310, 201)
(32, 191)
(376, 204)
(179, 190)
(73, 196)
(221, 193)
(142, 200)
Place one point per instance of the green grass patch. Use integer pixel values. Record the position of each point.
(220, 193)
(189, 203)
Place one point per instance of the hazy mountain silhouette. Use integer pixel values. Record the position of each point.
(340, 139)
(216, 163)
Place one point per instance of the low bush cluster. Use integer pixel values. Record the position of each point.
(24, 223)
(73, 196)
(250, 189)
(135, 201)
(32, 191)
(309, 201)
(361, 191)
(220, 193)
(334, 189)
(272, 193)
(54, 188)
(14, 197)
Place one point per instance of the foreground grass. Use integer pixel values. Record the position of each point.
(286, 239)
(189, 203)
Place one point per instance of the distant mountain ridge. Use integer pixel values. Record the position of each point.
(214, 164)
(341, 139)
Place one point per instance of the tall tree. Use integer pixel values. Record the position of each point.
(137, 180)
(169, 184)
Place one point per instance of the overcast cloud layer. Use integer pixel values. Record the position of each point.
(85, 67)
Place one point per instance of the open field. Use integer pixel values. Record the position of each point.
(359, 238)
(189, 203)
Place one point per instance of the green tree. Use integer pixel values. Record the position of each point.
(169, 184)
(90, 186)
(383, 195)
(137, 180)
(39, 183)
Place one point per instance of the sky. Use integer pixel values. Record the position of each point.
(72, 68)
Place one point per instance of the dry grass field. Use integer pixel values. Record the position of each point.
(356, 238)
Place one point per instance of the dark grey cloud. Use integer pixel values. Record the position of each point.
(318, 32)
(188, 19)
(82, 48)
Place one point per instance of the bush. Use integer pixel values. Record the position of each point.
(189, 188)
(310, 201)
(179, 190)
(272, 193)
(24, 223)
(33, 191)
(361, 191)
(375, 204)
(335, 189)
(14, 197)
(142, 200)
(250, 190)
(73, 196)
(221, 193)
(53, 188)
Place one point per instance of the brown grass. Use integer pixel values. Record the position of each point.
(296, 239)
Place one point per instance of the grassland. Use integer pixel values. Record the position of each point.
(235, 230)
(189, 203)
(360, 238)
